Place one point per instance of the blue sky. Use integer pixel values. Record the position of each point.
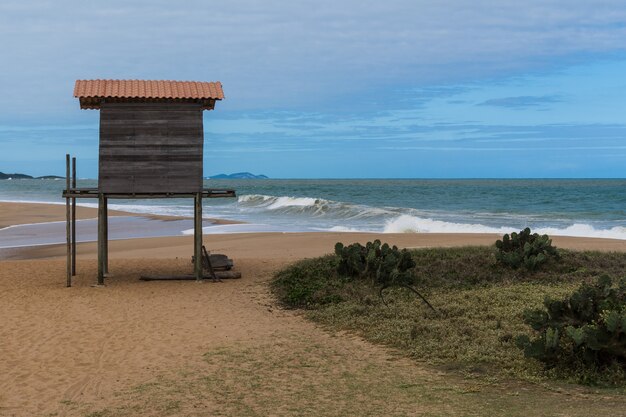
(334, 89)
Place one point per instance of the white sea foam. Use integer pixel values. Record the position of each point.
(585, 230)
(308, 206)
(412, 224)
(274, 203)
(280, 202)
(159, 210)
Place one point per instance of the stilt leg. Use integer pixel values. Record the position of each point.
(197, 236)
(101, 228)
(106, 236)
(73, 218)
(68, 225)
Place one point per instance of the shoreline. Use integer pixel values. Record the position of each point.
(30, 213)
(267, 213)
(42, 215)
(26, 225)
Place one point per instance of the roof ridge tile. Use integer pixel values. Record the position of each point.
(114, 88)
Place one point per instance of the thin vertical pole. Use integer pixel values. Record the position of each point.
(68, 222)
(73, 218)
(197, 236)
(101, 239)
(106, 236)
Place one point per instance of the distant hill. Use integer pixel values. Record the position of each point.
(238, 176)
(235, 176)
(4, 176)
(16, 176)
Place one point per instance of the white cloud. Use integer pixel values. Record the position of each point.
(281, 54)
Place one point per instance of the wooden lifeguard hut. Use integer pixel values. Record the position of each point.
(151, 146)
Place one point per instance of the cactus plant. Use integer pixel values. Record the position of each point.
(381, 263)
(588, 328)
(385, 266)
(525, 249)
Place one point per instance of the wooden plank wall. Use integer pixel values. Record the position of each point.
(150, 147)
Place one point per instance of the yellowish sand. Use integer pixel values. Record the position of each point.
(18, 213)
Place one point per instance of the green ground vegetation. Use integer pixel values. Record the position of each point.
(525, 249)
(304, 376)
(480, 306)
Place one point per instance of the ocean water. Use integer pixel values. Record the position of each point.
(568, 207)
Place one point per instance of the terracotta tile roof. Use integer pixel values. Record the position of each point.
(151, 89)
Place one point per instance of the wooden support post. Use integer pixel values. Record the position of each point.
(106, 236)
(101, 248)
(68, 222)
(197, 236)
(73, 218)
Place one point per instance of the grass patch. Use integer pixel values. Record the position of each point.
(295, 376)
(480, 304)
(301, 375)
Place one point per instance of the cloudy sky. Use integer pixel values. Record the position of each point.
(334, 89)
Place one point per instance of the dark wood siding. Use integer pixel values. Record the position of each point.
(150, 147)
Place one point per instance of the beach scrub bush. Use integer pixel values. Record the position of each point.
(479, 302)
(525, 249)
(583, 334)
(309, 283)
(382, 265)
(354, 268)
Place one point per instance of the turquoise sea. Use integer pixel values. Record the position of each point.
(571, 207)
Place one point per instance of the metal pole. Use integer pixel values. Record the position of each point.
(197, 235)
(101, 239)
(73, 218)
(68, 222)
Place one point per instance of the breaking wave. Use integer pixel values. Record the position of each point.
(317, 207)
(411, 224)
(335, 216)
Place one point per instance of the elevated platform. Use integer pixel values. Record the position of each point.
(94, 193)
(71, 193)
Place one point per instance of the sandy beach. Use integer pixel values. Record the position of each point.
(73, 350)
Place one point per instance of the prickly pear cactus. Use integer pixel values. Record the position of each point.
(588, 327)
(383, 264)
(524, 249)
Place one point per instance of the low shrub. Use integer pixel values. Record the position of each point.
(525, 249)
(583, 334)
(308, 283)
(384, 265)
(355, 269)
